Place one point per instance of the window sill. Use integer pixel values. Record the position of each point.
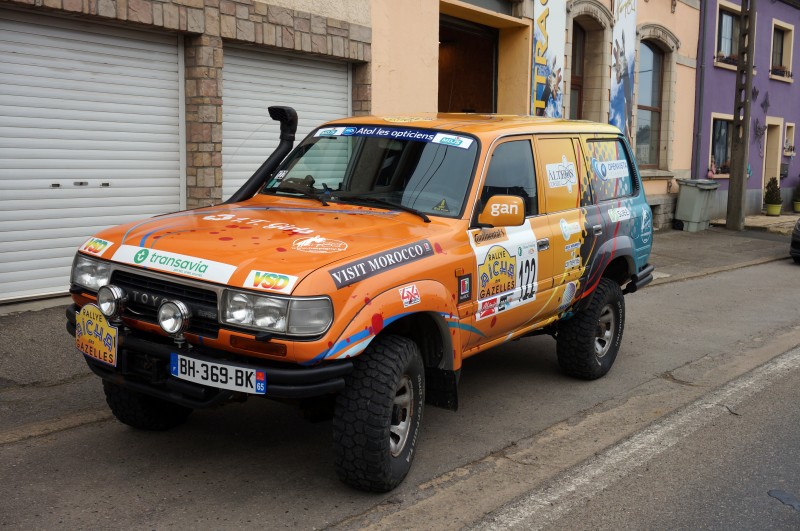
(653, 174)
(781, 78)
(789, 153)
(721, 176)
(727, 66)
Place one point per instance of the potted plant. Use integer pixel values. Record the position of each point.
(772, 197)
(796, 198)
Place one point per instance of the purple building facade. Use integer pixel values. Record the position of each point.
(775, 99)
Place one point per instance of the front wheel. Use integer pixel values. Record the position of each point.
(143, 412)
(587, 344)
(377, 417)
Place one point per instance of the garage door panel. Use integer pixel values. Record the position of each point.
(253, 81)
(89, 138)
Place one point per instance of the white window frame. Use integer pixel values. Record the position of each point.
(788, 45)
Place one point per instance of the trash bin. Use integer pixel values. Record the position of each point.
(694, 203)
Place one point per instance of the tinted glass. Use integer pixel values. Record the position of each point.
(511, 173)
(612, 174)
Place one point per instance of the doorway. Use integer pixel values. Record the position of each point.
(773, 143)
(467, 66)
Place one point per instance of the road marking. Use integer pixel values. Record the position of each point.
(542, 507)
(39, 429)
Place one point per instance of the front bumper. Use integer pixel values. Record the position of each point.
(144, 365)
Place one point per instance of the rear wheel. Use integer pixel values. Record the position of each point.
(142, 411)
(587, 344)
(377, 418)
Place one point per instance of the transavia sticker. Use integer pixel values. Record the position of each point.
(318, 245)
(378, 263)
(486, 237)
(419, 135)
(442, 206)
(568, 229)
(409, 295)
(267, 281)
(464, 288)
(97, 247)
(619, 214)
(175, 263)
(562, 174)
(610, 169)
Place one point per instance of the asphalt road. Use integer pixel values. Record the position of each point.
(521, 425)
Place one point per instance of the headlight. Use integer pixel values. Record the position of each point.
(111, 301)
(302, 317)
(174, 317)
(90, 274)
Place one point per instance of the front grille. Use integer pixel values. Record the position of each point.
(146, 293)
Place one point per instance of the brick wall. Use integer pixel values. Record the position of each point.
(207, 26)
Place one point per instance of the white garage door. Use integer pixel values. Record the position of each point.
(252, 81)
(89, 138)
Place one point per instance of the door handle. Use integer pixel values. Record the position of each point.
(597, 229)
(543, 244)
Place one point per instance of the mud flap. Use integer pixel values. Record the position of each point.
(441, 388)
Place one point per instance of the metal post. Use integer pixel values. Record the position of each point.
(737, 186)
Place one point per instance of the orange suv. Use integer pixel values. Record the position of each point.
(360, 269)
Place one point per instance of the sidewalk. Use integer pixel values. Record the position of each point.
(782, 224)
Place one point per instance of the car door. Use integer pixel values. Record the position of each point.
(512, 264)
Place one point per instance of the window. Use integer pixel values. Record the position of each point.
(789, 148)
(610, 168)
(511, 173)
(781, 57)
(576, 82)
(648, 113)
(721, 134)
(728, 37)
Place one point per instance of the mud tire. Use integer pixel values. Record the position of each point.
(376, 423)
(587, 344)
(142, 411)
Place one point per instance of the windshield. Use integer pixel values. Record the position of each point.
(423, 170)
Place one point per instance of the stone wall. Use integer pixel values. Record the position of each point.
(207, 26)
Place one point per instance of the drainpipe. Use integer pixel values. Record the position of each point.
(699, 99)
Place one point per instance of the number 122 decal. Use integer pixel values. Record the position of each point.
(527, 279)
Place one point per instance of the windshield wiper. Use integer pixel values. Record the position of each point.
(384, 203)
(303, 193)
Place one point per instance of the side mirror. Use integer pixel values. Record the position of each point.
(503, 211)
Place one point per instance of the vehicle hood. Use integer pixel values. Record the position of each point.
(256, 244)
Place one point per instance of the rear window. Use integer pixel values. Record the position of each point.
(610, 168)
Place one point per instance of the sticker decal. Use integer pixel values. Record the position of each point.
(572, 247)
(419, 135)
(485, 237)
(487, 308)
(610, 169)
(266, 281)
(464, 288)
(409, 295)
(562, 174)
(280, 175)
(232, 218)
(318, 245)
(568, 229)
(442, 206)
(175, 263)
(403, 119)
(378, 263)
(569, 294)
(647, 225)
(96, 246)
(569, 264)
(619, 214)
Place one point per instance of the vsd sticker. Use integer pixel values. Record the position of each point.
(266, 281)
(96, 246)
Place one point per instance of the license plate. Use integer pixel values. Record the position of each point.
(219, 375)
(95, 336)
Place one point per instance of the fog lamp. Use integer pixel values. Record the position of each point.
(111, 301)
(173, 317)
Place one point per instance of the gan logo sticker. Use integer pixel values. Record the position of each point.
(568, 229)
(96, 246)
(175, 263)
(318, 245)
(562, 174)
(409, 295)
(619, 214)
(276, 282)
(378, 263)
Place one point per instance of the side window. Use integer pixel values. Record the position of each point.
(559, 168)
(611, 173)
(511, 173)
